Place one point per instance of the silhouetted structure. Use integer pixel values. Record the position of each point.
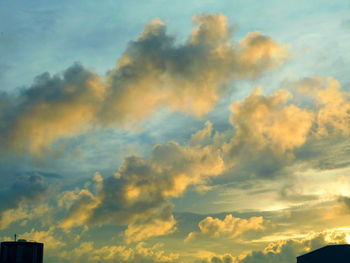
(327, 254)
(21, 252)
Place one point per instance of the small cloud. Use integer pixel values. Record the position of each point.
(230, 227)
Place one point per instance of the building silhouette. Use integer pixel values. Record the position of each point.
(327, 254)
(21, 251)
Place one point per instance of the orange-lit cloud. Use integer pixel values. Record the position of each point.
(230, 227)
(139, 194)
(332, 104)
(51, 108)
(266, 185)
(154, 72)
(88, 252)
(270, 121)
(266, 131)
(284, 251)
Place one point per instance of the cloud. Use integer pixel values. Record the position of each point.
(333, 107)
(87, 252)
(230, 227)
(51, 108)
(284, 122)
(154, 72)
(12, 215)
(227, 258)
(81, 209)
(48, 237)
(53, 242)
(267, 129)
(284, 251)
(344, 202)
(269, 121)
(288, 128)
(139, 194)
(258, 53)
(158, 227)
(203, 136)
(190, 77)
(27, 189)
(60, 248)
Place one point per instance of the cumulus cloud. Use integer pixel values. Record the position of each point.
(227, 258)
(139, 194)
(266, 132)
(284, 122)
(87, 252)
(153, 72)
(269, 121)
(273, 132)
(82, 205)
(26, 189)
(267, 129)
(332, 104)
(60, 248)
(230, 227)
(203, 136)
(51, 108)
(284, 251)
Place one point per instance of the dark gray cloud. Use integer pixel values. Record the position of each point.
(325, 153)
(219, 259)
(345, 201)
(27, 189)
(45, 174)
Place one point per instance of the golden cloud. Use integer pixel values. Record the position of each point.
(154, 72)
(139, 194)
(283, 251)
(87, 252)
(230, 227)
(270, 121)
(332, 104)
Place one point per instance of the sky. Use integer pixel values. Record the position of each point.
(187, 131)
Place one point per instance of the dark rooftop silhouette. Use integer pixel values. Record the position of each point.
(21, 251)
(327, 254)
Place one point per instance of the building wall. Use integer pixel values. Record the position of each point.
(327, 255)
(21, 252)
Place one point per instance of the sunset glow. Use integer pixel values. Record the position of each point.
(175, 132)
